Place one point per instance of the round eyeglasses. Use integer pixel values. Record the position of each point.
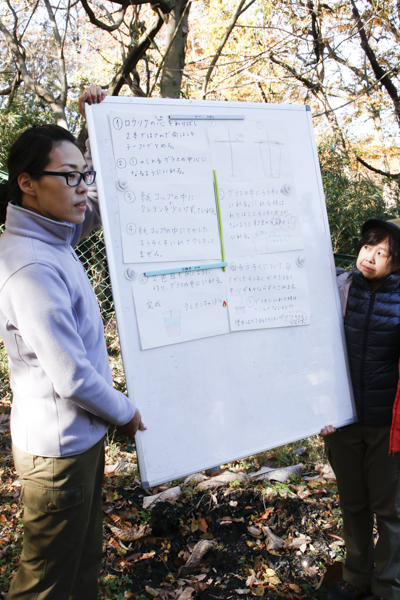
(73, 178)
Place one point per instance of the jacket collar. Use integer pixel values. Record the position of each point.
(21, 221)
(391, 284)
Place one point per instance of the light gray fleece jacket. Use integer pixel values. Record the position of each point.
(344, 279)
(63, 395)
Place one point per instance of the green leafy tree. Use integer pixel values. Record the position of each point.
(24, 112)
(351, 196)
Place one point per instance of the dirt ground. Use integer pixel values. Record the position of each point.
(239, 562)
(244, 538)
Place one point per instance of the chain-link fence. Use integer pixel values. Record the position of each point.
(91, 252)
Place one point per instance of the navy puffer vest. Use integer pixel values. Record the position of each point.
(372, 325)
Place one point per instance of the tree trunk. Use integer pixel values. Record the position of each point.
(171, 78)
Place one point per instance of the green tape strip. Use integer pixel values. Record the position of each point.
(221, 233)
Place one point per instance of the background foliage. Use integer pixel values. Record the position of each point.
(342, 58)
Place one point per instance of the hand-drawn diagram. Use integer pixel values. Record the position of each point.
(268, 291)
(232, 139)
(270, 157)
(180, 307)
(250, 150)
(172, 322)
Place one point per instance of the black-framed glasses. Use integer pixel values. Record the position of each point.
(73, 178)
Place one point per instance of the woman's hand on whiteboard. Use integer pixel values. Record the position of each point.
(327, 430)
(133, 425)
(93, 94)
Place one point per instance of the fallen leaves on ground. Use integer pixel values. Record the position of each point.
(211, 538)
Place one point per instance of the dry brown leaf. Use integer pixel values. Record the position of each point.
(195, 478)
(296, 543)
(254, 531)
(199, 586)
(202, 525)
(304, 494)
(120, 467)
(252, 580)
(134, 557)
(257, 591)
(282, 474)
(311, 571)
(225, 520)
(272, 541)
(274, 580)
(151, 591)
(107, 507)
(336, 537)
(169, 495)
(187, 593)
(327, 472)
(223, 479)
(194, 526)
(199, 551)
(130, 535)
(264, 516)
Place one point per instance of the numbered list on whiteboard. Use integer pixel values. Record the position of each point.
(170, 173)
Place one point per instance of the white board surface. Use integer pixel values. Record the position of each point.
(236, 361)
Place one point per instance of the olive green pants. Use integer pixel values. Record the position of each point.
(368, 481)
(62, 546)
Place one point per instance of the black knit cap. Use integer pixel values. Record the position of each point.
(380, 223)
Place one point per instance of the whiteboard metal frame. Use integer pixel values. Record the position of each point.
(120, 295)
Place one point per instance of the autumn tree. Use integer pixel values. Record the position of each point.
(43, 46)
(340, 57)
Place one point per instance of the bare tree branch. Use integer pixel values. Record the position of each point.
(333, 54)
(14, 86)
(164, 5)
(27, 23)
(379, 73)
(60, 52)
(239, 11)
(368, 89)
(378, 171)
(100, 24)
(19, 52)
(10, 6)
(389, 24)
(262, 93)
(308, 83)
(135, 54)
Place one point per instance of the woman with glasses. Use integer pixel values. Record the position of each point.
(63, 395)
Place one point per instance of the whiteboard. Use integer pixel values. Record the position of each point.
(209, 400)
